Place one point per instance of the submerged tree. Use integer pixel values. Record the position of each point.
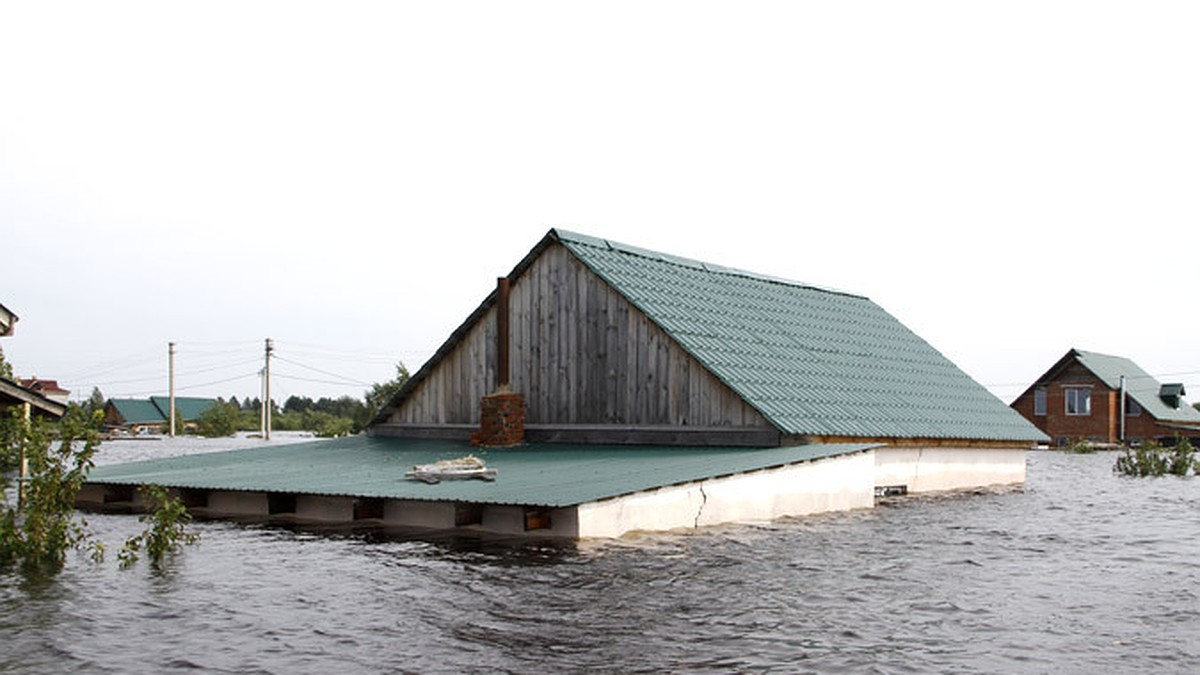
(381, 393)
(37, 534)
(1151, 459)
(218, 419)
(167, 532)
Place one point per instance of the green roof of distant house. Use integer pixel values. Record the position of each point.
(190, 408)
(138, 411)
(1139, 386)
(537, 475)
(813, 361)
(156, 409)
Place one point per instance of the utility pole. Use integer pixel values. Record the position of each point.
(23, 474)
(171, 377)
(266, 431)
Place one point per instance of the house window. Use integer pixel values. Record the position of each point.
(1079, 400)
(1039, 401)
(1132, 409)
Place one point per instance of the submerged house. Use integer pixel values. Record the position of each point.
(152, 414)
(1099, 398)
(615, 389)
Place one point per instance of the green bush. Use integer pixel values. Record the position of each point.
(217, 420)
(37, 535)
(1151, 459)
(167, 533)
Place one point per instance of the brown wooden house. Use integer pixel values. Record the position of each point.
(1106, 399)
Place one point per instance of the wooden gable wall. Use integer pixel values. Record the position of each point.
(581, 355)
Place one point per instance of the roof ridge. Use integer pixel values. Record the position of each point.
(681, 261)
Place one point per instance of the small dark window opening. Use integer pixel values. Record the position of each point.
(537, 519)
(1039, 401)
(468, 514)
(1132, 409)
(368, 508)
(119, 493)
(281, 502)
(191, 498)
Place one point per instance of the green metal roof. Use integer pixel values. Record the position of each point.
(189, 407)
(811, 360)
(1139, 385)
(535, 475)
(138, 411)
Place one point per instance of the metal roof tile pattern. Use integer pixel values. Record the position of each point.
(534, 475)
(811, 360)
(138, 411)
(1139, 385)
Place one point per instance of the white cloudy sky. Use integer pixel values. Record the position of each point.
(1011, 179)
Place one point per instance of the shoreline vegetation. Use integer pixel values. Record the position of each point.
(1148, 458)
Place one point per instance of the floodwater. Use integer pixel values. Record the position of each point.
(1080, 571)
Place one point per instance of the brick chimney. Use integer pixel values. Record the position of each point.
(501, 413)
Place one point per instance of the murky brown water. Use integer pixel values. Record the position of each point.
(1080, 572)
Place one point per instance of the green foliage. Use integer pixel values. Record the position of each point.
(1081, 448)
(167, 532)
(381, 393)
(1151, 459)
(5, 367)
(219, 419)
(37, 535)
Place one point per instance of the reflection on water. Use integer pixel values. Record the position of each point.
(1079, 572)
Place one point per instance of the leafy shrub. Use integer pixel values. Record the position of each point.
(1151, 459)
(168, 532)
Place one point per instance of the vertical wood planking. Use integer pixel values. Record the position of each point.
(581, 354)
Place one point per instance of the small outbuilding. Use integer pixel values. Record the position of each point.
(1099, 398)
(615, 389)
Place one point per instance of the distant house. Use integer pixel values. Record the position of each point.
(7, 321)
(152, 414)
(12, 394)
(47, 388)
(1079, 399)
(616, 389)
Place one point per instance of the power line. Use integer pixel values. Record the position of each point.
(347, 380)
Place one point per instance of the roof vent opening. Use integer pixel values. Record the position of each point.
(1172, 394)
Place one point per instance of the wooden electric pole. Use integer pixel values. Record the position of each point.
(171, 377)
(266, 432)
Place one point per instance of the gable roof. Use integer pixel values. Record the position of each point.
(1139, 385)
(190, 408)
(156, 409)
(813, 362)
(137, 411)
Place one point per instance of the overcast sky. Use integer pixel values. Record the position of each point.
(1009, 179)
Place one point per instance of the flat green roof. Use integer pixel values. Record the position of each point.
(535, 475)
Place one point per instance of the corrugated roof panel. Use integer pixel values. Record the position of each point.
(840, 354)
(1139, 385)
(541, 474)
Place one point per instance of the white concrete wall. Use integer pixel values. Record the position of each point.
(833, 484)
(936, 469)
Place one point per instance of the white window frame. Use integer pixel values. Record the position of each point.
(1039, 401)
(1072, 401)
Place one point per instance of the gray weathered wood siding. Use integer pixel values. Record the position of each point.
(581, 354)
